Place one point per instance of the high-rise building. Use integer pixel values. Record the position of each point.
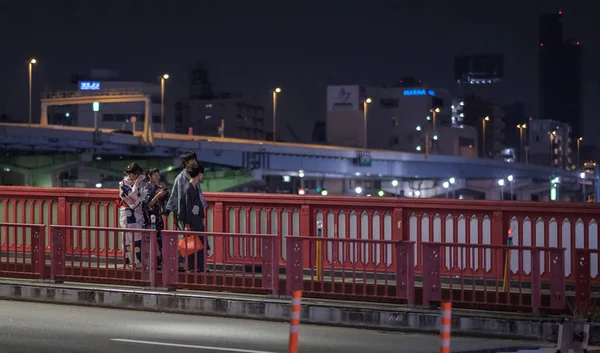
(560, 83)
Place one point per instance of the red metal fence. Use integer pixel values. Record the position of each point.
(348, 221)
(22, 250)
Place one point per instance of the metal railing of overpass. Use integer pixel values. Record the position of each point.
(275, 157)
(383, 249)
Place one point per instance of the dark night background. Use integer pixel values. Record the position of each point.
(252, 46)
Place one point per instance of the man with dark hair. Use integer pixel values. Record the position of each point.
(188, 160)
(191, 214)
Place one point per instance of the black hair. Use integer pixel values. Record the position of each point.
(151, 171)
(195, 170)
(188, 156)
(134, 168)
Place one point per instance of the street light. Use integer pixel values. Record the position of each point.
(163, 78)
(418, 128)
(501, 183)
(452, 180)
(417, 193)
(582, 176)
(446, 185)
(511, 180)
(578, 145)
(487, 118)
(434, 113)
(551, 136)
(521, 127)
(358, 190)
(365, 109)
(394, 183)
(31, 62)
(276, 91)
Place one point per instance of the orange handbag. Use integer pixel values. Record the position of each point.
(190, 245)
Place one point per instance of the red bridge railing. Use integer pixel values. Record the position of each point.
(570, 226)
(345, 220)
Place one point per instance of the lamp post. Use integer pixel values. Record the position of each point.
(395, 185)
(511, 180)
(582, 176)
(31, 62)
(578, 146)
(521, 127)
(446, 185)
(551, 141)
(483, 121)
(434, 113)
(501, 183)
(365, 109)
(452, 181)
(276, 91)
(163, 78)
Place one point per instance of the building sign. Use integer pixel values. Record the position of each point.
(343, 98)
(89, 86)
(419, 92)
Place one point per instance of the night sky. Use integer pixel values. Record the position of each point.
(252, 46)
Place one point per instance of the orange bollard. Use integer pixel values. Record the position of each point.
(445, 326)
(295, 321)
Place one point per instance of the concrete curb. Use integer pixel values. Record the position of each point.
(277, 309)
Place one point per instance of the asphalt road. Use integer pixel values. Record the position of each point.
(45, 328)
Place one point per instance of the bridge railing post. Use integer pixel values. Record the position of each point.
(405, 271)
(432, 278)
(294, 264)
(58, 253)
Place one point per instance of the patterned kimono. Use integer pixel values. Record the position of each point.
(131, 216)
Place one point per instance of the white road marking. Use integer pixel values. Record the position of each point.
(221, 349)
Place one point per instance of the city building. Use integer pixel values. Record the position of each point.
(210, 113)
(516, 119)
(478, 69)
(399, 117)
(550, 144)
(488, 120)
(127, 116)
(560, 81)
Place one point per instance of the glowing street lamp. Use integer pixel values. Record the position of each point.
(163, 78)
(32, 61)
(276, 92)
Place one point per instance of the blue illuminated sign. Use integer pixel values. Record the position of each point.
(89, 86)
(419, 92)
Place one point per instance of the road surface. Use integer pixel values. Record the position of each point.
(46, 328)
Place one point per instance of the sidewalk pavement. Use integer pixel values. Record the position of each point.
(314, 311)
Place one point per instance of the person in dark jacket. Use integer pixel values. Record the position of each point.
(191, 213)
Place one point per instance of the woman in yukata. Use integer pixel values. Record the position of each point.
(131, 216)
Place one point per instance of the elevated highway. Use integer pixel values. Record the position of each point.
(268, 157)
